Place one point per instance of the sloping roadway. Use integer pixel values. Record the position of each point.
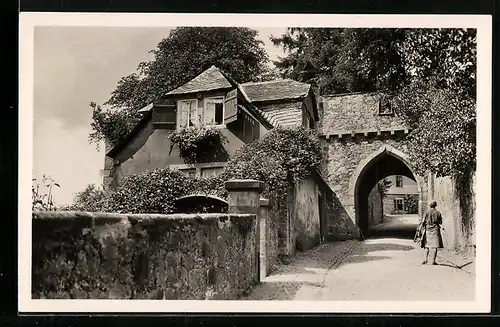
(385, 267)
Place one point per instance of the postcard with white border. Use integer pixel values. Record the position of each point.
(254, 163)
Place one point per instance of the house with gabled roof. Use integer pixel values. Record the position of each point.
(360, 133)
(243, 112)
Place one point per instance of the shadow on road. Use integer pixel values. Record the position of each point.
(359, 258)
(408, 233)
(305, 272)
(395, 226)
(388, 247)
(364, 252)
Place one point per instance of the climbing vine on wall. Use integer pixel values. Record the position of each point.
(198, 143)
(411, 203)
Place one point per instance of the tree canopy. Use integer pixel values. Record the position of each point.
(367, 59)
(181, 56)
(446, 58)
(343, 60)
(430, 74)
(439, 103)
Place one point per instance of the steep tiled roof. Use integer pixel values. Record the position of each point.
(275, 90)
(284, 114)
(355, 112)
(210, 79)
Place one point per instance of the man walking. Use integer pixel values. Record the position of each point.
(432, 239)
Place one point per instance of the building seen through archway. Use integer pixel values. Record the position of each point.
(387, 197)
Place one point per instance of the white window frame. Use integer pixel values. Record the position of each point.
(198, 167)
(217, 99)
(179, 110)
(212, 167)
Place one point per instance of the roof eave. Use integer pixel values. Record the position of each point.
(172, 94)
(138, 127)
(297, 98)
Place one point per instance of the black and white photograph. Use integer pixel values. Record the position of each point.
(299, 163)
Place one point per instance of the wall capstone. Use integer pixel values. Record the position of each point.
(244, 197)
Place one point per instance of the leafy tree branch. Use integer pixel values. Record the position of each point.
(178, 58)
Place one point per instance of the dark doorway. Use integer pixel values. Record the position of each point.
(200, 203)
(322, 218)
(384, 165)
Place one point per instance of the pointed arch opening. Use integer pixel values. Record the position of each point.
(384, 163)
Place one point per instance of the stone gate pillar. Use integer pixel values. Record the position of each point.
(244, 197)
(264, 233)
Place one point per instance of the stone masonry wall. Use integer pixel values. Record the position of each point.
(444, 192)
(344, 156)
(271, 237)
(305, 212)
(354, 111)
(340, 225)
(375, 208)
(79, 255)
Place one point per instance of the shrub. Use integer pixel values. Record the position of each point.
(209, 185)
(411, 204)
(91, 199)
(281, 158)
(150, 192)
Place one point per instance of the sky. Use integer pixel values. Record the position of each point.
(74, 66)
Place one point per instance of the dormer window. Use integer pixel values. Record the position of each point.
(385, 108)
(194, 112)
(214, 111)
(188, 113)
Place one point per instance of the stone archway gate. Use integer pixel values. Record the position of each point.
(356, 131)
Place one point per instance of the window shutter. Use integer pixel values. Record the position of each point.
(200, 112)
(231, 106)
(395, 204)
(193, 113)
(209, 118)
(184, 116)
(165, 115)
